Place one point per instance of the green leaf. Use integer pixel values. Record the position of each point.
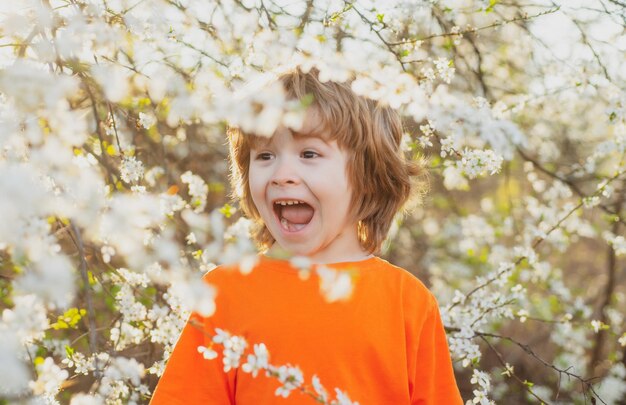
(151, 291)
(41, 351)
(489, 8)
(92, 279)
(484, 254)
(307, 100)
(69, 319)
(143, 102)
(610, 218)
(216, 187)
(227, 210)
(380, 18)
(60, 324)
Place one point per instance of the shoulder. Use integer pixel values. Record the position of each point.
(413, 290)
(250, 269)
(224, 273)
(408, 280)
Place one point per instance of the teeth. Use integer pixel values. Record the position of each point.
(291, 227)
(289, 202)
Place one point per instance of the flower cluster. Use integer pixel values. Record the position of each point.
(291, 377)
(131, 169)
(197, 190)
(335, 285)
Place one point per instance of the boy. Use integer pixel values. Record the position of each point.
(328, 192)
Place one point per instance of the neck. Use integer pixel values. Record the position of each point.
(344, 247)
(326, 256)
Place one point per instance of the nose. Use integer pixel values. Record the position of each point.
(284, 173)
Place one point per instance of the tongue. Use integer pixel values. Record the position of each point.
(297, 213)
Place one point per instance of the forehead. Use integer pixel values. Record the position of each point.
(313, 126)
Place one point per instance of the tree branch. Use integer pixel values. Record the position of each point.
(91, 315)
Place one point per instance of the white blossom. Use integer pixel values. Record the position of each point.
(122, 368)
(207, 352)
(107, 253)
(146, 120)
(14, 374)
(195, 295)
(291, 378)
(43, 277)
(319, 388)
(258, 107)
(257, 361)
(49, 378)
(84, 399)
(479, 162)
(597, 325)
(445, 69)
(79, 362)
(335, 285)
(343, 399)
(113, 79)
(618, 242)
(131, 169)
(31, 86)
(234, 347)
(198, 190)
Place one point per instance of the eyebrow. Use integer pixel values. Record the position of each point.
(296, 135)
(262, 141)
(301, 135)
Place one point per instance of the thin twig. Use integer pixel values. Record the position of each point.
(378, 34)
(511, 373)
(609, 289)
(91, 315)
(586, 383)
(573, 186)
(473, 30)
(537, 242)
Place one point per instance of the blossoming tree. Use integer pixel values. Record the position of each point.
(114, 197)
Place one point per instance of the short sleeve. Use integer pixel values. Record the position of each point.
(189, 378)
(432, 377)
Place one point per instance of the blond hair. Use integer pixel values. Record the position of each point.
(382, 178)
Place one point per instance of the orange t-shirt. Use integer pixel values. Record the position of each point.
(384, 345)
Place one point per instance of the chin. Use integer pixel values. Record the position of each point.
(296, 249)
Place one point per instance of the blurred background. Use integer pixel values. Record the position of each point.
(115, 197)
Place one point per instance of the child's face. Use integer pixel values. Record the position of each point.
(300, 187)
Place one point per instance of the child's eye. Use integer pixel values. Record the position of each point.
(309, 154)
(263, 156)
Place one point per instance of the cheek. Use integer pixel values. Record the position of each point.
(343, 200)
(257, 197)
(255, 189)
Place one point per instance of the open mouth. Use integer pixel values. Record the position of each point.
(293, 215)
